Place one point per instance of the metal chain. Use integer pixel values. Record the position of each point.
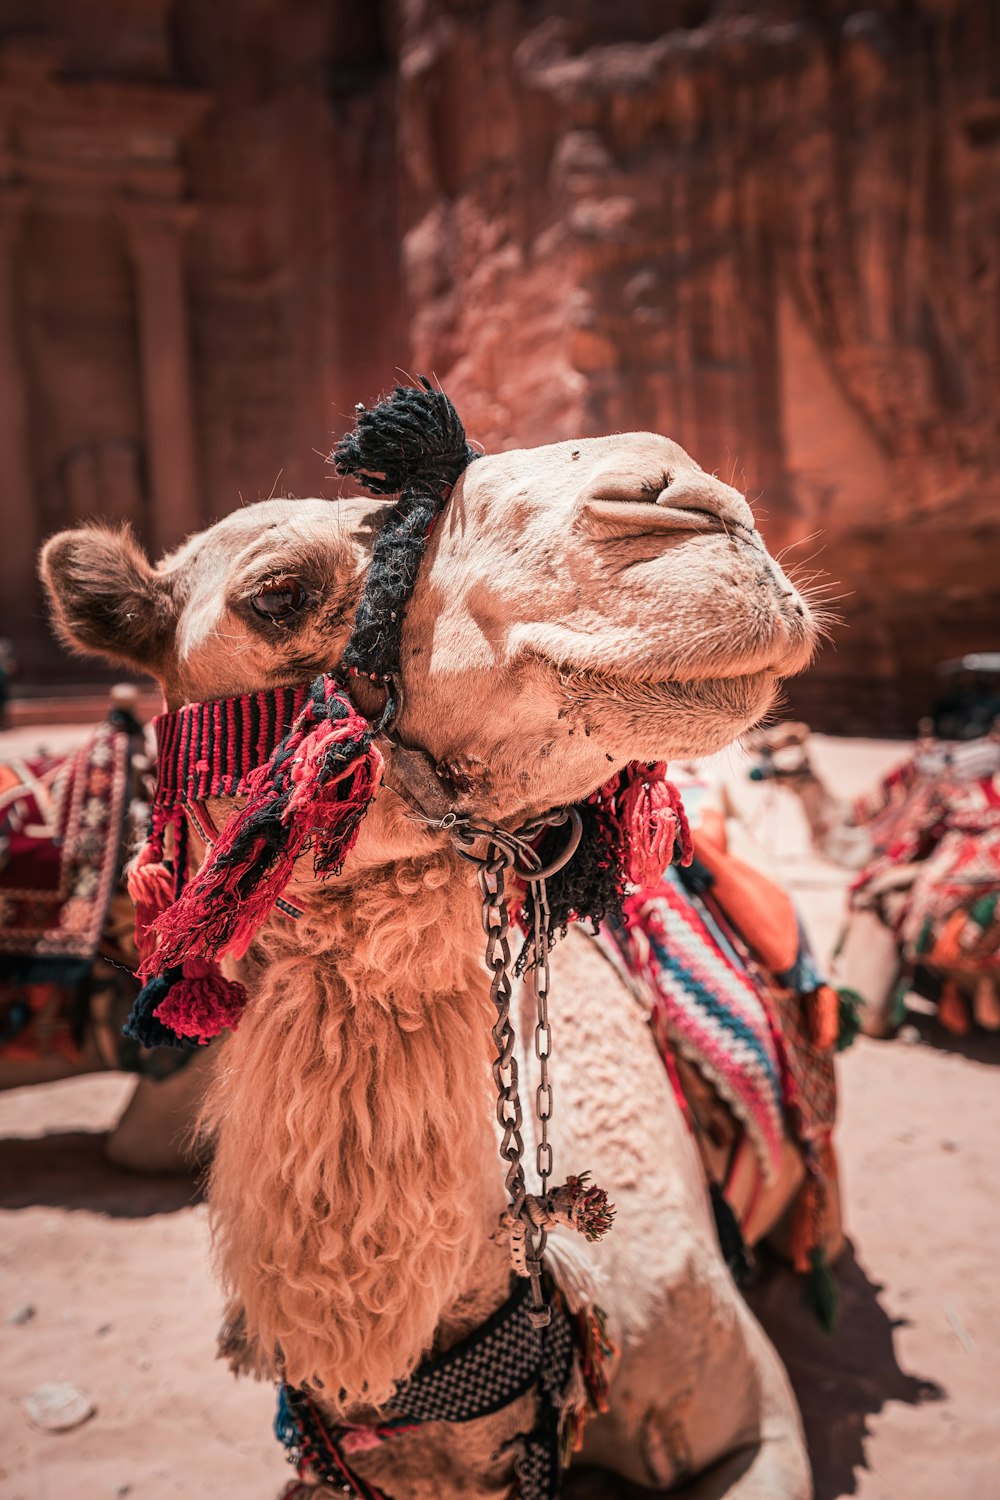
(496, 926)
(539, 973)
(505, 851)
(492, 869)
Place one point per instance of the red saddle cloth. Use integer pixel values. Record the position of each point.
(61, 829)
(948, 831)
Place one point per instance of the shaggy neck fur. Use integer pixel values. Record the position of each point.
(355, 1186)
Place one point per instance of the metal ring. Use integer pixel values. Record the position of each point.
(506, 844)
(554, 819)
(572, 844)
(511, 845)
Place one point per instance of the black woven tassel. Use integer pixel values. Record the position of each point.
(142, 1025)
(412, 440)
(819, 1291)
(412, 444)
(730, 1237)
(589, 888)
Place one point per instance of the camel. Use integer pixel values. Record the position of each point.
(872, 957)
(780, 754)
(579, 607)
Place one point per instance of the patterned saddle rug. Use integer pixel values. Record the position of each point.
(943, 828)
(62, 825)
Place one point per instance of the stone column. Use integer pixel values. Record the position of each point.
(19, 610)
(155, 232)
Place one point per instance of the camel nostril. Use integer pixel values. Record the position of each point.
(703, 496)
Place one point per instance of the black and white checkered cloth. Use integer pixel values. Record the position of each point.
(500, 1361)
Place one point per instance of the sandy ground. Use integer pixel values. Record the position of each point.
(902, 1403)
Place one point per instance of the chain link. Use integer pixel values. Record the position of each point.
(539, 972)
(495, 921)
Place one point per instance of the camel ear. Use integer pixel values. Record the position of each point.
(105, 597)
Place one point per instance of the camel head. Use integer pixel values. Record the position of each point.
(779, 752)
(579, 606)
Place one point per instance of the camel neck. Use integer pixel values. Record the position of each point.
(356, 1190)
(819, 806)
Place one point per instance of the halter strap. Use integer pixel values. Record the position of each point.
(207, 749)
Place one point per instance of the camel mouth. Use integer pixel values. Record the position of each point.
(727, 680)
(694, 715)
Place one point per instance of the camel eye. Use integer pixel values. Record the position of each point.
(281, 599)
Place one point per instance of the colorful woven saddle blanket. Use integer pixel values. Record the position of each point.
(897, 807)
(61, 832)
(750, 1029)
(952, 917)
(684, 972)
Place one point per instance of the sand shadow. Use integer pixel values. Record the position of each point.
(977, 1046)
(920, 1023)
(69, 1170)
(841, 1379)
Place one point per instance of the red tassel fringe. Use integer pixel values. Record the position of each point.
(151, 887)
(203, 1003)
(651, 815)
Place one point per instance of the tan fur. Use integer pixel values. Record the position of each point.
(342, 1188)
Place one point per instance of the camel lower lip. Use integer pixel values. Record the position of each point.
(615, 685)
(720, 707)
(737, 680)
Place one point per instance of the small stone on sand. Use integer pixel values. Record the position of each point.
(57, 1406)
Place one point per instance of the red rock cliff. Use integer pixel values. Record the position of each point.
(771, 231)
(774, 238)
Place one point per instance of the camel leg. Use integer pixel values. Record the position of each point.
(775, 1464)
(867, 964)
(706, 1394)
(953, 1012)
(156, 1130)
(760, 1471)
(21, 1073)
(986, 1005)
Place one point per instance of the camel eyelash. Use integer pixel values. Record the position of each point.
(279, 602)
